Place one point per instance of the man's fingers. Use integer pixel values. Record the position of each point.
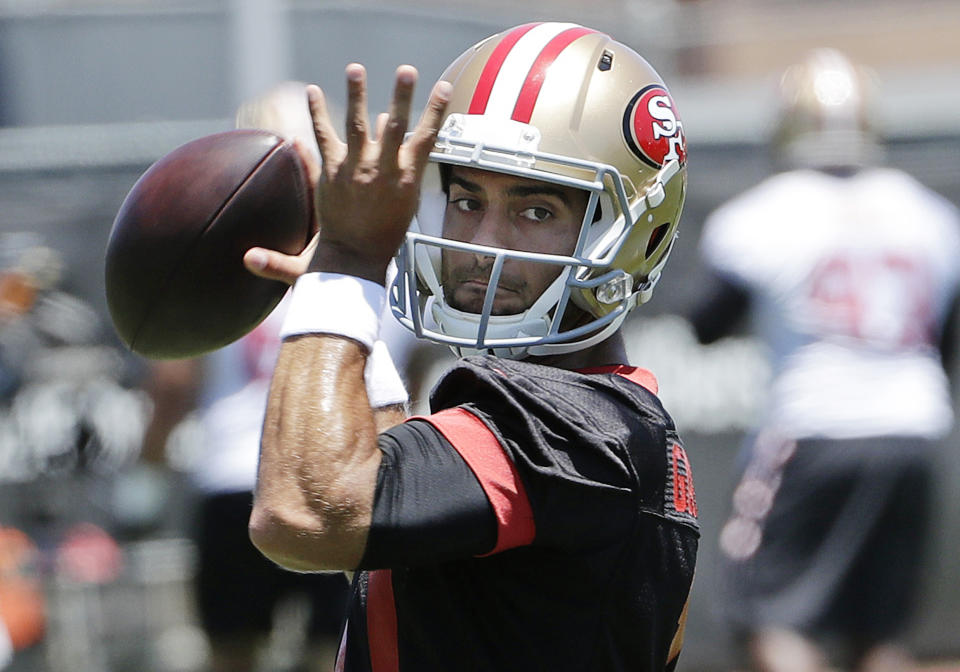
(331, 149)
(425, 134)
(399, 119)
(357, 121)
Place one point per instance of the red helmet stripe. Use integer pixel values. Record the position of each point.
(527, 99)
(481, 95)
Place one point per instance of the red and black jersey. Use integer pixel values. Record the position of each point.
(538, 519)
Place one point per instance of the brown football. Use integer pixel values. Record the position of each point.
(175, 281)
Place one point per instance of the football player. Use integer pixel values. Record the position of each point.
(543, 515)
(851, 269)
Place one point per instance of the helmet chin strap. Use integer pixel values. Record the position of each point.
(520, 352)
(450, 321)
(564, 348)
(460, 324)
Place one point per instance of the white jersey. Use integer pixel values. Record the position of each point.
(235, 387)
(850, 279)
(235, 390)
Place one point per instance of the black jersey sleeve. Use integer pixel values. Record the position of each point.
(429, 505)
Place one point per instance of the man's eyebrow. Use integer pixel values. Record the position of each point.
(465, 183)
(539, 190)
(517, 189)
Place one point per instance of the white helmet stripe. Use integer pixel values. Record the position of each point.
(511, 70)
(527, 98)
(481, 94)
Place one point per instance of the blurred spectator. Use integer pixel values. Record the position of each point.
(850, 271)
(237, 590)
(67, 426)
(65, 411)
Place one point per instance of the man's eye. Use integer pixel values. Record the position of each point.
(466, 204)
(536, 213)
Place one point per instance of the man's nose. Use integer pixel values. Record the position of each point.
(492, 230)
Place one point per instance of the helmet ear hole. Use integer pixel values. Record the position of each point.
(656, 238)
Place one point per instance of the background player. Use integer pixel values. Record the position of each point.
(851, 273)
(477, 529)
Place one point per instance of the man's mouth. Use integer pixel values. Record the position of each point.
(476, 285)
(470, 294)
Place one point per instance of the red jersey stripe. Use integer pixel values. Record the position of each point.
(527, 99)
(382, 622)
(496, 472)
(481, 95)
(641, 377)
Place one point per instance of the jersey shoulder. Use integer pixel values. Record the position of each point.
(596, 398)
(756, 203)
(744, 237)
(900, 189)
(605, 427)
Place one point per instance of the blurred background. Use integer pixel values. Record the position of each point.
(93, 91)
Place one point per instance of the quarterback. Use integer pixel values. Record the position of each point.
(542, 516)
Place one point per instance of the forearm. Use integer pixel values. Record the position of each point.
(319, 457)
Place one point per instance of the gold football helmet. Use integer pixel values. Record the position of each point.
(824, 120)
(560, 103)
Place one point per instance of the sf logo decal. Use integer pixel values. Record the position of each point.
(652, 129)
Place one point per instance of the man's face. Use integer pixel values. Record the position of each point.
(498, 210)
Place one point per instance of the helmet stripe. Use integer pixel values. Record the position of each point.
(509, 65)
(527, 99)
(481, 95)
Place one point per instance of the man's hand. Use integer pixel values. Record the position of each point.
(368, 187)
(370, 184)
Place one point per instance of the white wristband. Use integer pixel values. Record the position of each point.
(331, 303)
(384, 385)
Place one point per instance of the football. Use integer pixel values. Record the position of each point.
(175, 282)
